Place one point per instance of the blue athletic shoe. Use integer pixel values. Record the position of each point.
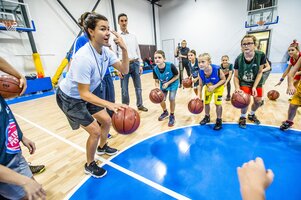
(171, 120)
(163, 115)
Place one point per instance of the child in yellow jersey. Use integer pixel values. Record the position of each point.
(213, 78)
(296, 99)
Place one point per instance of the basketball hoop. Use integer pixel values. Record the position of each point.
(10, 25)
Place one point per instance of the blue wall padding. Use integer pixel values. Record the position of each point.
(39, 84)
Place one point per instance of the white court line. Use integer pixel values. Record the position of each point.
(76, 187)
(52, 134)
(117, 167)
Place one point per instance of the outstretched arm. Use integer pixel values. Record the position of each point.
(7, 68)
(254, 179)
(285, 73)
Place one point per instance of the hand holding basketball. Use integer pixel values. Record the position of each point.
(115, 107)
(11, 87)
(23, 85)
(240, 99)
(126, 121)
(156, 95)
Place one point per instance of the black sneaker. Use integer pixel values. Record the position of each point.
(36, 169)
(253, 118)
(106, 150)
(163, 115)
(94, 170)
(242, 122)
(228, 99)
(205, 120)
(142, 108)
(286, 125)
(218, 124)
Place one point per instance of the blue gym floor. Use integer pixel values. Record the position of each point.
(196, 162)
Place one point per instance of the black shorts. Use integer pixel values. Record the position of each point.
(77, 111)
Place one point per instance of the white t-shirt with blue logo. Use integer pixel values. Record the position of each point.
(87, 67)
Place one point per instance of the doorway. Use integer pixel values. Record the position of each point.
(263, 38)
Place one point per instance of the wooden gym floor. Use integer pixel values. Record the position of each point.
(63, 150)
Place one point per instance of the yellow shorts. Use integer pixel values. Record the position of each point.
(296, 99)
(218, 95)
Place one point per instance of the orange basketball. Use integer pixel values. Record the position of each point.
(126, 121)
(273, 94)
(195, 106)
(156, 95)
(240, 99)
(187, 83)
(9, 86)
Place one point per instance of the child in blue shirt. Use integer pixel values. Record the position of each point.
(166, 74)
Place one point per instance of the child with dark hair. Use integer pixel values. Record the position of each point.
(194, 69)
(166, 74)
(227, 68)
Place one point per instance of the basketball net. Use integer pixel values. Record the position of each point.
(10, 25)
(261, 24)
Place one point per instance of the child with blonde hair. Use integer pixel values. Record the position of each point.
(213, 78)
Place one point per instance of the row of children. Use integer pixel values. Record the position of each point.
(251, 70)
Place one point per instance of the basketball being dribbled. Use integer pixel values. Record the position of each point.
(9, 86)
(195, 106)
(273, 95)
(126, 121)
(156, 95)
(187, 83)
(240, 99)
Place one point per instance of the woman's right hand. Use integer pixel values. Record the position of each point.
(115, 107)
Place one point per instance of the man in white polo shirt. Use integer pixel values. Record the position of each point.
(136, 64)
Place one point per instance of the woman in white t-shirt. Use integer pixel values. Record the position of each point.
(78, 94)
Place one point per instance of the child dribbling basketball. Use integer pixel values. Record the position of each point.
(228, 71)
(248, 69)
(194, 68)
(213, 78)
(166, 74)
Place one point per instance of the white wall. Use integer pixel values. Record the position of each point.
(140, 21)
(217, 26)
(56, 31)
(288, 28)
